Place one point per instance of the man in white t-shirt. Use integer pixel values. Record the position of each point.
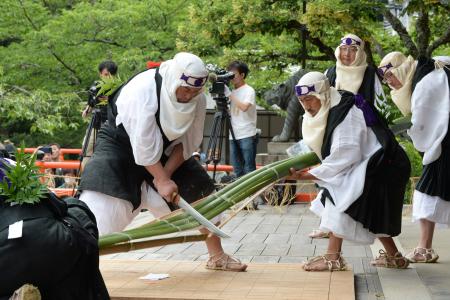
(243, 121)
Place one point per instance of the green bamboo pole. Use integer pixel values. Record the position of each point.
(237, 191)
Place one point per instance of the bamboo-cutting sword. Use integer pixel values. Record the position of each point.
(201, 219)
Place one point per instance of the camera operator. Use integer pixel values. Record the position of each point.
(106, 69)
(243, 121)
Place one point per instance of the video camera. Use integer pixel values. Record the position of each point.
(93, 99)
(219, 77)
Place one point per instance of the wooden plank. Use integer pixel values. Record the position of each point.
(190, 280)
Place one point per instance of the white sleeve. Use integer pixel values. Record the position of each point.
(193, 138)
(346, 148)
(136, 107)
(249, 96)
(430, 107)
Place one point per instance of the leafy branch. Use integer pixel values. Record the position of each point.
(22, 184)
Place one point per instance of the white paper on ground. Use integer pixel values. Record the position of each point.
(15, 230)
(154, 277)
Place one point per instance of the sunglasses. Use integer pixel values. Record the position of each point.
(301, 90)
(194, 81)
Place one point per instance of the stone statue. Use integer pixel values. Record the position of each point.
(284, 96)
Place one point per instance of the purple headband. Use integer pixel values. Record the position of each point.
(383, 69)
(194, 81)
(349, 41)
(301, 90)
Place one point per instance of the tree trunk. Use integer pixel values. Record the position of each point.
(402, 32)
(423, 31)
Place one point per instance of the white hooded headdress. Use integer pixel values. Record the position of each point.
(350, 77)
(176, 117)
(403, 69)
(313, 127)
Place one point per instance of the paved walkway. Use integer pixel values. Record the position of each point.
(279, 235)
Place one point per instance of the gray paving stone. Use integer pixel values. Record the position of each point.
(245, 228)
(293, 259)
(183, 257)
(267, 228)
(196, 249)
(287, 229)
(276, 249)
(309, 221)
(253, 219)
(235, 237)
(254, 238)
(156, 256)
(244, 258)
(271, 220)
(130, 255)
(302, 250)
(231, 248)
(300, 239)
(354, 251)
(361, 284)
(356, 263)
(266, 259)
(291, 220)
(251, 249)
(174, 249)
(320, 242)
(277, 238)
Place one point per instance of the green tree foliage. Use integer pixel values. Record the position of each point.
(51, 49)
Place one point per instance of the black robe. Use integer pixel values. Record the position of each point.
(435, 177)
(58, 251)
(367, 88)
(379, 208)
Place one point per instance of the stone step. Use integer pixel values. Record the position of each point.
(278, 148)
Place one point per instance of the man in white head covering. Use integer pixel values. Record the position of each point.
(143, 157)
(421, 89)
(359, 199)
(353, 74)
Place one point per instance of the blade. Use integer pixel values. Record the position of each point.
(201, 219)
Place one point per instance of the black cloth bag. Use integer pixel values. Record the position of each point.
(58, 251)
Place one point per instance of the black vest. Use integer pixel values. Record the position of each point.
(367, 88)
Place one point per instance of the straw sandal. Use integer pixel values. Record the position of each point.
(322, 263)
(422, 255)
(319, 234)
(225, 262)
(398, 261)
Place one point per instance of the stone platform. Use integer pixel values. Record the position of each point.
(190, 280)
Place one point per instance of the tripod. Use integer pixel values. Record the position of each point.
(221, 123)
(94, 125)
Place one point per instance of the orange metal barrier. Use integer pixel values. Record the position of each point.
(64, 192)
